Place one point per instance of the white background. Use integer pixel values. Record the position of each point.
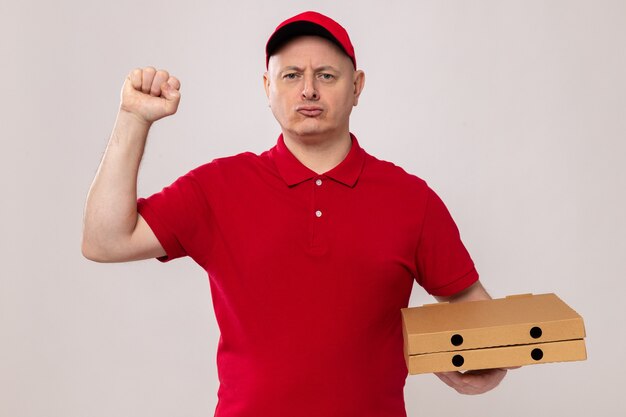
(513, 111)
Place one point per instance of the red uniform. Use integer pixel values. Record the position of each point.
(308, 274)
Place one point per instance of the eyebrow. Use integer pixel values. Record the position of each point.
(318, 69)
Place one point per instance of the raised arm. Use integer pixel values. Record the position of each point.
(113, 231)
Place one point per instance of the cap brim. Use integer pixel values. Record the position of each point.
(295, 29)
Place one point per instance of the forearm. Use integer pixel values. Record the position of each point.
(471, 382)
(475, 292)
(111, 209)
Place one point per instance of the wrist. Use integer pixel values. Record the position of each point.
(128, 118)
(130, 129)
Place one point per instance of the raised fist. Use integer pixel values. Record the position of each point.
(150, 94)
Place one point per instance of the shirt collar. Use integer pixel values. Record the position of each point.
(294, 172)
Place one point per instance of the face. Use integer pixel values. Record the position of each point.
(312, 86)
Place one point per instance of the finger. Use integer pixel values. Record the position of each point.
(135, 78)
(174, 82)
(485, 380)
(444, 378)
(472, 382)
(147, 77)
(159, 78)
(485, 374)
(454, 380)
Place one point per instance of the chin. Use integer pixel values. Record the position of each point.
(306, 130)
(310, 134)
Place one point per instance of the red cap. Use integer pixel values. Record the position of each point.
(309, 23)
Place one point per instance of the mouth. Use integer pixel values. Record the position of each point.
(309, 111)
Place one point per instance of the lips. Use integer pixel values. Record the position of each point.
(309, 111)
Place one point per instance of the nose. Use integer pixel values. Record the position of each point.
(309, 90)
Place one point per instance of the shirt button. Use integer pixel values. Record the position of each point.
(318, 213)
(318, 182)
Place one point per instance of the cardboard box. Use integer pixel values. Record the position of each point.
(513, 331)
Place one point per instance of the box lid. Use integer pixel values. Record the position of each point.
(514, 320)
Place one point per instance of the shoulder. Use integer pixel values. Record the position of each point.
(228, 162)
(226, 167)
(236, 172)
(396, 176)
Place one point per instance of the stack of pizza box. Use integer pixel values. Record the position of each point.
(507, 332)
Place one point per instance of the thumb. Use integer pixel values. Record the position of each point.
(170, 93)
(171, 96)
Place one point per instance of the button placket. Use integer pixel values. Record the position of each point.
(318, 240)
(318, 211)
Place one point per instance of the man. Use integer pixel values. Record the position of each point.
(311, 247)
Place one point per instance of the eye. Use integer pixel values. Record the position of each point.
(290, 76)
(326, 76)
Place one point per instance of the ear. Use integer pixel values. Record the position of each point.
(359, 83)
(266, 84)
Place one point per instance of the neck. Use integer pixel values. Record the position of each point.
(319, 156)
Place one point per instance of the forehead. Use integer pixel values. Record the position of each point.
(309, 49)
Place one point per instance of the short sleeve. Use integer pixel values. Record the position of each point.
(443, 263)
(179, 216)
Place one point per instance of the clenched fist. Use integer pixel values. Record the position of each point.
(150, 94)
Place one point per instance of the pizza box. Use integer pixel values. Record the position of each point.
(506, 332)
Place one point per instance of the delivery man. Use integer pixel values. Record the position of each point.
(311, 248)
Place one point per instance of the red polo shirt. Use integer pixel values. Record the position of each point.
(308, 274)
